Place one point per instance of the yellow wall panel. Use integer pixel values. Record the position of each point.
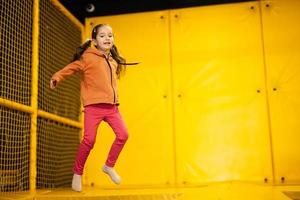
(147, 157)
(201, 106)
(281, 28)
(219, 94)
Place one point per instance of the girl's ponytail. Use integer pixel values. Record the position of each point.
(120, 60)
(81, 49)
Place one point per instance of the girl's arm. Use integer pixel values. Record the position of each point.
(65, 72)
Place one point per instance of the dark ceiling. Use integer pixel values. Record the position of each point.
(92, 8)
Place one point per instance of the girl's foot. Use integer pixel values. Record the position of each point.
(76, 183)
(112, 173)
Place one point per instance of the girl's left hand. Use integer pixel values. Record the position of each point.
(53, 84)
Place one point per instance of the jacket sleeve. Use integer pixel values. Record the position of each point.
(68, 70)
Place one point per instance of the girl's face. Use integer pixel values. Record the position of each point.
(104, 38)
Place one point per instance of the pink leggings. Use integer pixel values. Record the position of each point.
(93, 115)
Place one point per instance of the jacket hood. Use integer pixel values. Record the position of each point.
(94, 51)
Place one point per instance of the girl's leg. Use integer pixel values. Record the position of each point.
(93, 115)
(117, 124)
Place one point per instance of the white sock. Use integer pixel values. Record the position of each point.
(76, 183)
(112, 174)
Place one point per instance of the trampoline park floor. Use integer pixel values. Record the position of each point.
(216, 191)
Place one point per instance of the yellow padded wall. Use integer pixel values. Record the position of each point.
(147, 157)
(214, 98)
(219, 94)
(281, 28)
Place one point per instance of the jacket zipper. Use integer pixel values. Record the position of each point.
(111, 80)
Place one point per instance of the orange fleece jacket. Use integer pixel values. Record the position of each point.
(98, 77)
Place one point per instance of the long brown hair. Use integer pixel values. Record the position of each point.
(121, 68)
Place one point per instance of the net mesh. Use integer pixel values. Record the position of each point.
(59, 38)
(16, 48)
(57, 143)
(15, 85)
(14, 150)
(57, 147)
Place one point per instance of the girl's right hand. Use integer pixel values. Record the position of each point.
(53, 84)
